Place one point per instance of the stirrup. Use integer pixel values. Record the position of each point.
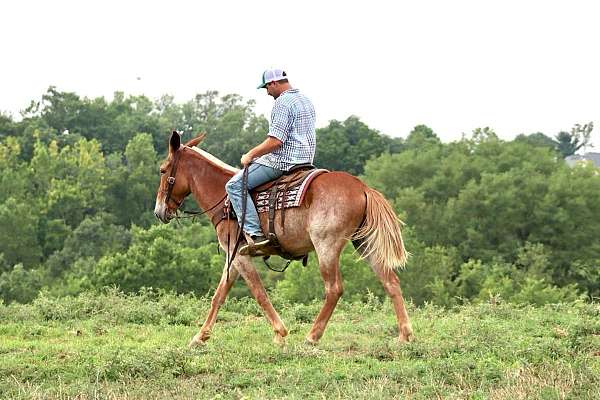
(252, 250)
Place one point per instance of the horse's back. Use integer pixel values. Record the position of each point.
(333, 208)
(339, 191)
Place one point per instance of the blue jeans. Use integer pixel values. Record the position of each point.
(257, 175)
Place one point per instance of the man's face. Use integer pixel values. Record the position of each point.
(273, 89)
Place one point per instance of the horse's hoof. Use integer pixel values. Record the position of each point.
(310, 342)
(196, 341)
(406, 335)
(278, 339)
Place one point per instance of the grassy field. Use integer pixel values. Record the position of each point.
(112, 346)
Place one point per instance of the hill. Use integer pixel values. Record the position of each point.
(119, 346)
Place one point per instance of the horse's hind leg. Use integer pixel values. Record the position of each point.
(391, 284)
(329, 265)
(250, 275)
(217, 301)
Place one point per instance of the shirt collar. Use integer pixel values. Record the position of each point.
(291, 90)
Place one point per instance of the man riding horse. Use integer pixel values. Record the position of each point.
(291, 141)
(336, 208)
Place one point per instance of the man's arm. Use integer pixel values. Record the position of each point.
(270, 144)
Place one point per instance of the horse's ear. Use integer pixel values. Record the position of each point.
(175, 141)
(196, 140)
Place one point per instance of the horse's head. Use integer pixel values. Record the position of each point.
(174, 184)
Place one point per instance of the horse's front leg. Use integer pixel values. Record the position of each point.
(217, 301)
(250, 275)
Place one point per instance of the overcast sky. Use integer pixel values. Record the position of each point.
(516, 66)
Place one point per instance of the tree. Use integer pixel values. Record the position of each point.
(229, 122)
(93, 238)
(160, 259)
(537, 139)
(142, 180)
(7, 126)
(346, 146)
(76, 189)
(19, 233)
(20, 284)
(15, 179)
(569, 142)
(421, 136)
(583, 132)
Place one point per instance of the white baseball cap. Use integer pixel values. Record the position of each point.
(272, 75)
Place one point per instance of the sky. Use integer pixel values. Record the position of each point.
(516, 66)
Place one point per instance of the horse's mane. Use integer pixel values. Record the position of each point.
(206, 155)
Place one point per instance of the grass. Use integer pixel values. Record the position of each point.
(114, 346)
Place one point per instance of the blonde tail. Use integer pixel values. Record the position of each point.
(380, 237)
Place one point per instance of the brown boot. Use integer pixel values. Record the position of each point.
(257, 243)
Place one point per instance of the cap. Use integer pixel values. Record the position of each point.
(272, 75)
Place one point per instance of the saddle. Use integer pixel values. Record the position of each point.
(297, 172)
(284, 192)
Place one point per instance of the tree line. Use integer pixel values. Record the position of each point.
(486, 218)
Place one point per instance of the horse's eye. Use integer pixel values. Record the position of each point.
(162, 171)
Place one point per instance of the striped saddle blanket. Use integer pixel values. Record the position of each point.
(290, 192)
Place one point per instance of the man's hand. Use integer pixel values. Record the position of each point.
(270, 144)
(246, 159)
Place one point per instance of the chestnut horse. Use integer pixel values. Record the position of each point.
(337, 207)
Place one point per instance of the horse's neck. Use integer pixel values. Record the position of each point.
(207, 181)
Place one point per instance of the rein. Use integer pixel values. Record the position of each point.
(240, 232)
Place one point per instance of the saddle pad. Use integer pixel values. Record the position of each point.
(291, 198)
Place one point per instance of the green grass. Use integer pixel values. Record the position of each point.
(134, 347)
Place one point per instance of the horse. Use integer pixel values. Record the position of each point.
(337, 208)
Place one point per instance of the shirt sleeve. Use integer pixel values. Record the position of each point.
(281, 121)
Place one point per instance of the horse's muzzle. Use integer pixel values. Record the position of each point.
(162, 212)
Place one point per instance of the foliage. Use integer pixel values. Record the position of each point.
(569, 142)
(304, 284)
(486, 218)
(20, 284)
(537, 139)
(345, 146)
(158, 258)
(18, 241)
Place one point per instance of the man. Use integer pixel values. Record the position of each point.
(290, 141)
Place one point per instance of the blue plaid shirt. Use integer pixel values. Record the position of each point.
(292, 122)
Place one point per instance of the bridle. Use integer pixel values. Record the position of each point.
(171, 180)
(240, 233)
(171, 184)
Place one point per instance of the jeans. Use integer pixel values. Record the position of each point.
(257, 175)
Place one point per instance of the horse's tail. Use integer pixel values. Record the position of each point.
(379, 237)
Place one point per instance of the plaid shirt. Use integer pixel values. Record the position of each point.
(292, 122)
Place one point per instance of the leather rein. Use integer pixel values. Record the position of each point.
(231, 253)
(225, 216)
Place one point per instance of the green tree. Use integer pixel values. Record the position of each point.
(7, 126)
(142, 180)
(19, 233)
(537, 139)
(20, 284)
(15, 178)
(93, 238)
(77, 187)
(421, 136)
(346, 146)
(159, 258)
(229, 121)
(567, 213)
(569, 142)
